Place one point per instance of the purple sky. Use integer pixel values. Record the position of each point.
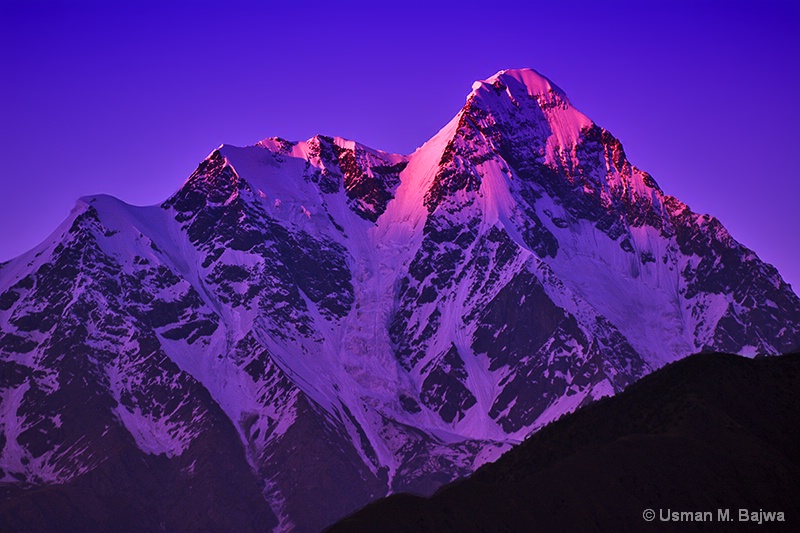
(127, 97)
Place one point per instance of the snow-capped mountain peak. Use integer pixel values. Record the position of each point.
(320, 314)
(523, 98)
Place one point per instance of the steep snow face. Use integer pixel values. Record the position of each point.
(357, 318)
(528, 95)
(589, 202)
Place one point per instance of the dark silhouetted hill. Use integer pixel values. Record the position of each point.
(713, 431)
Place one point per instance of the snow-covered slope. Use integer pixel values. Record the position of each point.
(362, 322)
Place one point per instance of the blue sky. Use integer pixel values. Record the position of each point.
(126, 98)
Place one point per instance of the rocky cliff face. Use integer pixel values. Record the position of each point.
(304, 327)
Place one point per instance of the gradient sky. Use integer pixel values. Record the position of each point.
(126, 97)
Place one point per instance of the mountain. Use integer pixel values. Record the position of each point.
(713, 431)
(304, 327)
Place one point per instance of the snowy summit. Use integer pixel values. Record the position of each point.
(304, 327)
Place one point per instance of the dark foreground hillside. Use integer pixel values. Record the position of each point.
(710, 432)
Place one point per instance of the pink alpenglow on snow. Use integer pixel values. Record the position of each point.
(328, 322)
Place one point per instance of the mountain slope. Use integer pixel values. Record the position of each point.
(713, 431)
(367, 320)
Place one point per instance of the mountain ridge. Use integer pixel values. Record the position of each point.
(413, 316)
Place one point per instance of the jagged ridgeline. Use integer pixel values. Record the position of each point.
(307, 326)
